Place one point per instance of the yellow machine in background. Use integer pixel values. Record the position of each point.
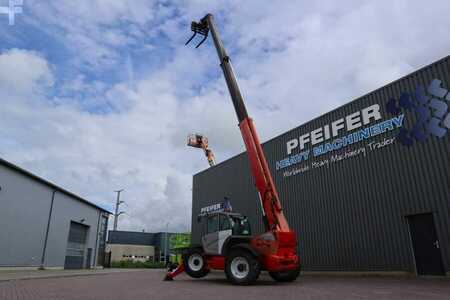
(177, 243)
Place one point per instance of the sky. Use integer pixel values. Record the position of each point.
(100, 95)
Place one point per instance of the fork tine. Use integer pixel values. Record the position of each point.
(204, 39)
(195, 33)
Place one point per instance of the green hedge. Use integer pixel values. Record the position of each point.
(136, 264)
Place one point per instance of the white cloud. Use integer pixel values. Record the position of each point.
(23, 71)
(294, 62)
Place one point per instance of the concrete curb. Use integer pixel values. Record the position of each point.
(360, 274)
(63, 275)
(399, 274)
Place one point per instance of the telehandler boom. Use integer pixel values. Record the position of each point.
(227, 243)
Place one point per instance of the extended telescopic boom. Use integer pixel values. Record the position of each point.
(273, 215)
(242, 257)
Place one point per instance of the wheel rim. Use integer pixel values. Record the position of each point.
(195, 262)
(240, 267)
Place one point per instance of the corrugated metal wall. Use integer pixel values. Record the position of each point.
(131, 237)
(351, 215)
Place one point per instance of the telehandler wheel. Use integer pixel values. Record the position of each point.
(242, 267)
(195, 263)
(286, 276)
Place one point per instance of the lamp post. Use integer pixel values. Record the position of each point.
(165, 243)
(117, 213)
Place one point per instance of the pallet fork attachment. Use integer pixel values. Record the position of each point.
(200, 28)
(171, 274)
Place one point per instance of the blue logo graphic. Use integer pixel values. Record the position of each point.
(430, 105)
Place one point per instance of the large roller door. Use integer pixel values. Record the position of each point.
(76, 246)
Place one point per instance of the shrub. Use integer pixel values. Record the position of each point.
(129, 264)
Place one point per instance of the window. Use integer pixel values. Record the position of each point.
(225, 223)
(212, 223)
(241, 227)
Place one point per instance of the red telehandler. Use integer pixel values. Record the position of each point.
(227, 243)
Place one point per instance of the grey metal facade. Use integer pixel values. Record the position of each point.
(352, 214)
(131, 238)
(33, 211)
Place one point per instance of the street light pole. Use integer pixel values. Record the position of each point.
(116, 212)
(165, 246)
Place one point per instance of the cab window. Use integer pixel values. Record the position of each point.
(241, 227)
(225, 223)
(213, 222)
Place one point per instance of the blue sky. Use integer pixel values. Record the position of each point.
(99, 95)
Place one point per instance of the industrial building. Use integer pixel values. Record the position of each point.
(121, 252)
(45, 226)
(366, 187)
(139, 246)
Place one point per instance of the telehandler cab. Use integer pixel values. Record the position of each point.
(227, 243)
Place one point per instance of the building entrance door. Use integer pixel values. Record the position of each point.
(425, 243)
(76, 245)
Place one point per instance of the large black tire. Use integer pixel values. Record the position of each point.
(242, 267)
(195, 263)
(286, 276)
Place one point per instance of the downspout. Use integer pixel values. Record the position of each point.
(42, 267)
(96, 240)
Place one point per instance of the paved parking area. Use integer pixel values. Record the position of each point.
(148, 284)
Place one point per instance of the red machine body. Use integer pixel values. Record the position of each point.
(279, 253)
(276, 249)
